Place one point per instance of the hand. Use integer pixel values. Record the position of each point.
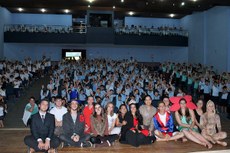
(167, 137)
(124, 122)
(47, 145)
(133, 131)
(86, 127)
(41, 145)
(42, 86)
(76, 138)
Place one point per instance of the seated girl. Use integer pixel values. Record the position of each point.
(133, 131)
(99, 128)
(183, 107)
(209, 121)
(112, 117)
(163, 122)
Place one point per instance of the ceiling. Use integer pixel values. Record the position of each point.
(143, 8)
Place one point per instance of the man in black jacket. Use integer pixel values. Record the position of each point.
(42, 130)
(74, 126)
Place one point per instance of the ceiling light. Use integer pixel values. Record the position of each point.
(114, 7)
(194, 0)
(66, 11)
(171, 15)
(88, 6)
(131, 13)
(90, 1)
(20, 9)
(122, 1)
(183, 3)
(43, 10)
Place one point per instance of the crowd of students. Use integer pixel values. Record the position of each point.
(111, 100)
(144, 30)
(16, 75)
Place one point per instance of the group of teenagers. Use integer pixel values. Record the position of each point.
(104, 100)
(175, 118)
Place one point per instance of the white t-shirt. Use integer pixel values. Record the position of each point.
(58, 113)
(163, 118)
(111, 119)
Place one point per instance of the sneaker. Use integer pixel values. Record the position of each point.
(86, 144)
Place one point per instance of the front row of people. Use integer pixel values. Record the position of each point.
(127, 126)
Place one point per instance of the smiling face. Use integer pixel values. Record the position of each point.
(210, 107)
(161, 107)
(182, 104)
(98, 109)
(133, 108)
(199, 104)
(166, 101)
(44, 105)
(74, 105)
(148, 101)
(123, 109)
(110, 107)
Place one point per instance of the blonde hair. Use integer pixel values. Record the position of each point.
(208, 103)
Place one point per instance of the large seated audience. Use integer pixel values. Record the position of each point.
(96, 102)
(15, 76)
(144, 30)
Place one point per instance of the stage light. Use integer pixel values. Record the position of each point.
(89, 6)
(122, 1)
(114, 7)
(183, 3)
(90, 1)
(20, 9)
(131, 13)
(43, 10)
(171, 15)
(66, 11)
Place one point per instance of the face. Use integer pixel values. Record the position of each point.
(98, 109)
(44, 106)
(90, 100)
(210, 107)
(161, 107)
(32, 101)
(58, 102)
(110, 107)
(123, 109)
(166, 101)
(133, 108)
(199, 103)
(74, 105)
(183, 104)
(148, 101)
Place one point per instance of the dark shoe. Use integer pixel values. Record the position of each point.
(86, 144)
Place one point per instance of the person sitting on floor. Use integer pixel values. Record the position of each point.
(74, 126)
(42, 129)
(163, 123)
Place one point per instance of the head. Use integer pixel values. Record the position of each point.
(123, 109)
(183, 103)
(148, 100)
(90, 100)
(74, 106)
(133, 108)
(183, 106)
(166, 101)
(210, 107)
(44, 105)
(109, 108)
(98, 110)
(58, 101)
(200, 104)
(161, 107)
(32, 100)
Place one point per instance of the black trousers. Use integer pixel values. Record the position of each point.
(32, 143)
(136, 139)
(66, 139)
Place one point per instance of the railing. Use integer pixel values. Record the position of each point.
(82, 29)
(151, 31)
(45, 28)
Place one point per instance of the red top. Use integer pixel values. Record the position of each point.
(135, 124)
(87, 113)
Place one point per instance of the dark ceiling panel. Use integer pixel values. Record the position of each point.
(145, 8)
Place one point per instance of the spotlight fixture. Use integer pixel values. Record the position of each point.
(20, 9)
(183, 3)
(66, 11)
(114, 7)
(194, 0)
(43, 10)
(122, 1)
(131, 13)
(172, 15)
(90, 1)
(89, 6)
